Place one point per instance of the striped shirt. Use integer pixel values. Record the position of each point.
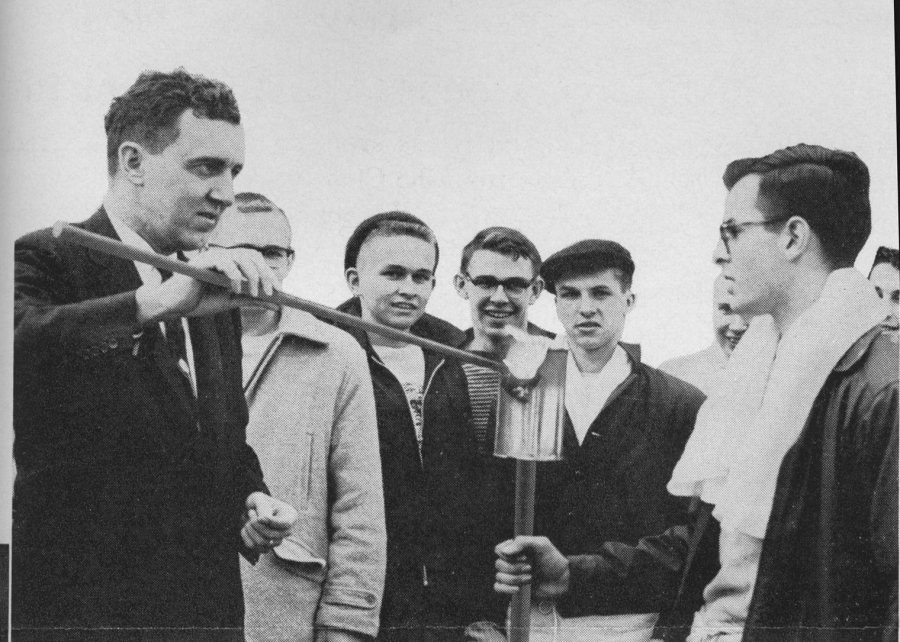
(484, 387)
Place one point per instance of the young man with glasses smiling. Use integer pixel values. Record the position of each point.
(498, 278)
(792, 467)
(312, 423)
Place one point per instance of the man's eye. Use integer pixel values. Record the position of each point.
(421, 279)
(207, 169)
(393, 274)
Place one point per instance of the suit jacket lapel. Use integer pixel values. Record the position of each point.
(114, 275)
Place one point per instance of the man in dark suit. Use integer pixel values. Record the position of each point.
(135, 487)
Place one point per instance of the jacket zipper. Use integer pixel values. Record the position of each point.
(424, 395)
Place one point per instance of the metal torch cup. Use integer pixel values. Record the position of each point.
(530, 429)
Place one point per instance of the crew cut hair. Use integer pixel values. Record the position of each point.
(254, 203)
(388, 224)
(828, 188)
(148, 111)
(503, 240)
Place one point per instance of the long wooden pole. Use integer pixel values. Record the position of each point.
(113, 247)
(520, 606)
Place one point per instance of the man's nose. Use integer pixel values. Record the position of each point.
(587, 307)
(223, 190)
(720, 254)
(407, 286)
(499, 294)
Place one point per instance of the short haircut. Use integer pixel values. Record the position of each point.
(148, 112)
(253, 203)
(886, 255)
(502, 240)
(828, 188)
(388, 224)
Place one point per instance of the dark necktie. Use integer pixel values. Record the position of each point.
(175, 338)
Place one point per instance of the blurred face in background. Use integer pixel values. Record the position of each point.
(886, 279)
(729, 326)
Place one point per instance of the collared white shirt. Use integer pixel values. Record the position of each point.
(149, 275)
(588, 392)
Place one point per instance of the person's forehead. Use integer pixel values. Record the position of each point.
(403, 250)
(490, 263)
(741, 201)
(256, 228)
(606, 277)
(205, 137)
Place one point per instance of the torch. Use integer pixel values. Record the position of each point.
(529, 429)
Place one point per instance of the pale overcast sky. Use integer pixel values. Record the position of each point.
(566, 120)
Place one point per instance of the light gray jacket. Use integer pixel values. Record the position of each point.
(312, 424)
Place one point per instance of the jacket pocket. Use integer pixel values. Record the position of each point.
(302, 484)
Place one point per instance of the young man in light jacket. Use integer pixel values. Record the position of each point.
(312, 422)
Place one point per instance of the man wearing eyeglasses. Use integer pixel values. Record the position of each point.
(498, 278)
(312, 424)
(792, 466)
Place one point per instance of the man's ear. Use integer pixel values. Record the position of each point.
(459, 282)
(132, 157)
(352, 277)
(535, 290)
(630, 302)
(796, 237)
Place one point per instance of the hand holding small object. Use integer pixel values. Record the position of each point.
(269, 521)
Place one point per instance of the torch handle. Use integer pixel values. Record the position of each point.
(520, 608)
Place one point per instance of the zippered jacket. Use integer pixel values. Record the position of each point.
(436, 547)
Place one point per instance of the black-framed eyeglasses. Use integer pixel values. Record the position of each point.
(269, 252)
(729, 231)
(512, 285)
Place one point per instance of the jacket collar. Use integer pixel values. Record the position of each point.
(858, 350)
(303, 325)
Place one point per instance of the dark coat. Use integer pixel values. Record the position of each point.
(828, 567)
(612, 487)
(430, 511)
(129, 494)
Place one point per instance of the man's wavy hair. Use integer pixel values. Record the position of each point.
(887, 255)
(828, 188)
(505, 241)
(148, 112)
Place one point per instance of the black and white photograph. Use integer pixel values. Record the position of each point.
(399, 321)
